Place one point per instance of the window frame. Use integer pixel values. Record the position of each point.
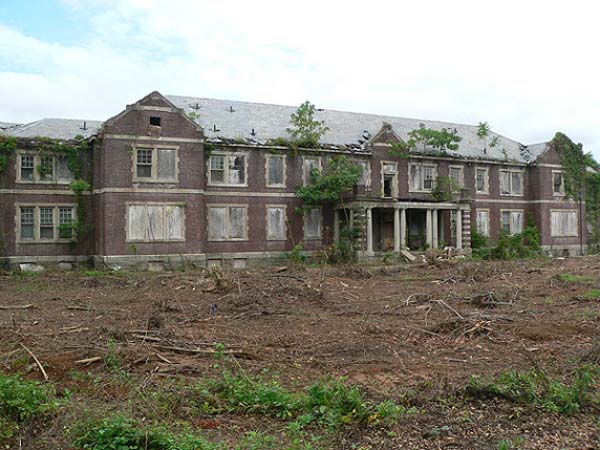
(571, 211)
(318, 237)
(276, 185)
(227, 206)
(511, 172)
(395, 182)
(421, 166)
(562, 192)
(276, 238)
(511, 222)
(164, 205)
(487, 233)
(365, 164)
(154, 165)
(37, 239)
(461, 177)
(305, 175)
(37, 161)
(486, 180)
(227, 156)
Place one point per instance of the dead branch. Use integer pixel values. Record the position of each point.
(37, 361)
(7, 307)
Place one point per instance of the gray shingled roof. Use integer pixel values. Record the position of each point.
(235, 120)
(55, 128)
(346, 129)
(6, 125)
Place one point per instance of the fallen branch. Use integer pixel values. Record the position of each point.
(198, 351)
(37, 361)
(28, 306)
(89, 360)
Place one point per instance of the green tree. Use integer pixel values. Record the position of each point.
(306, 130)
(442, 140)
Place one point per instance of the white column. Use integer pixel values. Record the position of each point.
(403, 228)
(336, 226)
(396, 230)
(369, 232)
(351, 219)
(434, 230)
(428, 228)
(459, 229)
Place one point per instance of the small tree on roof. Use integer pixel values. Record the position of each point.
(305, 129)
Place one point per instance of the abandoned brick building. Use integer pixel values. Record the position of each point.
(196, 180)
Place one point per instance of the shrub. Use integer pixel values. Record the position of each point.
(22, 400)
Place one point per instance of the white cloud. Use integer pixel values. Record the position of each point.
(528, 68)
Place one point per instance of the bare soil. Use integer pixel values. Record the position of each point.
(412, 334)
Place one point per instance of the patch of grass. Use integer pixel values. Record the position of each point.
(594, 294)
(508, 444)
(535, 387)
(103, 273)
(570, 278)
(590, 314)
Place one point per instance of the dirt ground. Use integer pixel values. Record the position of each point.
(412, 334)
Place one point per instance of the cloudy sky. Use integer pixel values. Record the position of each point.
(529, 68)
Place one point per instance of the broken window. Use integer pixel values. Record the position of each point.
(481, 180)
(27, 223)
(276, 222)
(511, 182)
(227, 223)
(47, 223)
(155, 222)
(558, 183)
(390, 179)
(44, 168)
(27, 167)
(312, 223)
(275, 171)
(456, 174)
(65, 223)
(155, 121)
(564, 223)
(312, 168)
(421, 177)
(511, 222)
(483, 221)
(156, 164)
(228, 169)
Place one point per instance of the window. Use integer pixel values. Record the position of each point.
(483, 221)
(482, 180)
(421, 177)
(155, 121)
(511, 182)
(227, 169)
(389, 173)
(276, 227)
(558, 183)
(148, 222)
(42, 223)
(365, 176)
(453, 219)
(35, 168)
(275, 170)
(156, 164)
(511, 221)
(311, 168)
(564, 223)
(227, 222)
(312, 223)
(456, 174)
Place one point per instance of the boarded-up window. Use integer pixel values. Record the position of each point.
(312, 223)
(63, 173)
(511, 222)
(365, 175)
(275, 170)
(421, 177)
(558, 183)
(276, 222)
(456, 175)
(511, 182)
(564, 223)
(155, 222)
(166, 164)
(312, 167)
(228, 169)
(227, 223)
(481, 180)
(156, 164)
(483, 222)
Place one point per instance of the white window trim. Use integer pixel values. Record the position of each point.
(276, 185)
(284, 207)
(368, 170)
(226, 205)
(304, 225)
(395, 183)
(36, 222)
(461, 178)
(565, 211)
(304, 174)
(37, 160)
(154, 176)
(146, 204)
(434, 173)
(227, 155)
(486, 180)
(511, 171)
(511, 224)
(562, 192)
(486, 210)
